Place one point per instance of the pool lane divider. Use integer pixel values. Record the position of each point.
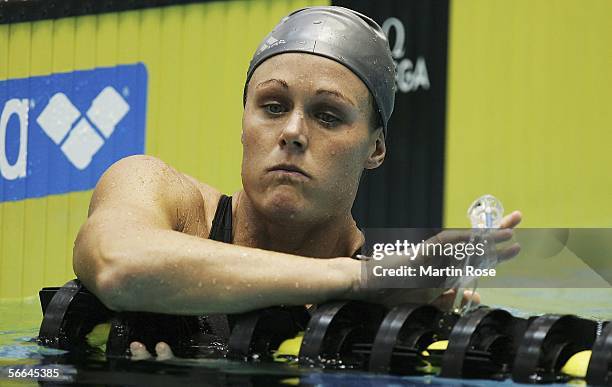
(483, 344)
(341, 334)
(548, 343)
(257, 335)
(407, 331)
(409, 339)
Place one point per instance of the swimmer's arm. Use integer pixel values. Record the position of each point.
(175, 273)
(130, 254)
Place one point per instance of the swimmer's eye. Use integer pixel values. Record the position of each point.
(328, 119)
(275, 108)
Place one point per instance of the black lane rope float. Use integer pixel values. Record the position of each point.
(482, 344)
(600, 364)
(409, 339)
(340, 334)
(548, 344)
(257, 334)
(405, 333)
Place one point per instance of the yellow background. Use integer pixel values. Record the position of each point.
(196, 57)
(529, 116)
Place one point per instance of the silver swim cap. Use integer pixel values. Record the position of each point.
(348, 37)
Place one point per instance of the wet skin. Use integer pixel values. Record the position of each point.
(306, 140)
(307, 136)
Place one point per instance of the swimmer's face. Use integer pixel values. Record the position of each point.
(307, 136)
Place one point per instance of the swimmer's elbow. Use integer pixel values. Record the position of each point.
(107, 287)
(99, 268)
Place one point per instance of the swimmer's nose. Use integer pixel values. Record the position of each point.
(293, 137)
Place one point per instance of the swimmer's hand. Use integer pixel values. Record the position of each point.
(139, 351)
(426, 290)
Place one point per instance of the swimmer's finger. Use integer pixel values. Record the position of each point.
(512, 220)
(139, 351)
(446, 300)
(508, 252)
(451, 236)
(503, 235)
(164, 352)
(469, 295)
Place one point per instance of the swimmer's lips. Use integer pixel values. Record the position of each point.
(288, 170)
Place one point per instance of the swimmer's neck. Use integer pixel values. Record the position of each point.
(338, 237)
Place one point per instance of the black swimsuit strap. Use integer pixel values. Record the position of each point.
(221, 229)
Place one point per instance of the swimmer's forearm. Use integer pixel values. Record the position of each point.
(176, 273)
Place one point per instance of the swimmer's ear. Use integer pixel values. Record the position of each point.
(377, 149)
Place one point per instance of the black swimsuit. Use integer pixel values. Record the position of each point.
(221, 229)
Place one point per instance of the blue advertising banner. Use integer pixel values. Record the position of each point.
(60, 132)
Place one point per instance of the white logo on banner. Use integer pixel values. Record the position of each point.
(18, 169)
(408, 76)
(81, 141)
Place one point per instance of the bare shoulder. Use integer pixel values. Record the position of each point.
(210, 195)
(154, 192)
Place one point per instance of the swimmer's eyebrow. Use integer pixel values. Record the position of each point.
(336, 94)
(273, 80)
(284, 85)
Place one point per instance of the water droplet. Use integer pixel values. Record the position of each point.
(297, 285)
(249, 285)
(317, 22)
(228, 287)
(302, 42)
(200, 284)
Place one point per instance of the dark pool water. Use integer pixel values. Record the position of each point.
(19, 321)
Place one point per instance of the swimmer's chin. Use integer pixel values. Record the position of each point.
(285, 204)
